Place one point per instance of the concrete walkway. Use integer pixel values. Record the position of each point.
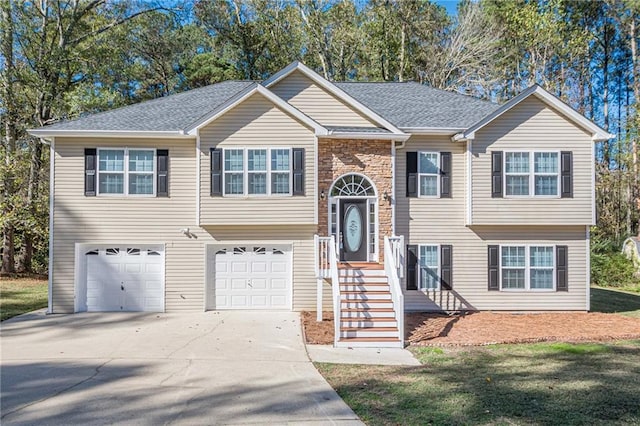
(382, 356)
(154, 369)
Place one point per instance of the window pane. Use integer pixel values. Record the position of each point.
(546, 162)
(513, 278)
(546, 185)
(429, 278)
(141, 184)
(140, 161)
(257, 160)
(111, 183)
(517, 162)
(279, 183)
(257, 183)
(428, 185)
(233, 183)
(429, 256)
(517, 185)
(429, 162)
(513, 257)
(542, 278)
(541, 257)
(111, 160)
(233, 160)
(280, 160)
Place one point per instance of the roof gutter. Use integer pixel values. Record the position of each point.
(436, 131)
(364, 135)
(46, 133)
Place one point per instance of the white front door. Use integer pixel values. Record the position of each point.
(125, 278)
(250, 276)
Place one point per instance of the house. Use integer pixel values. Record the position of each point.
(260, 195)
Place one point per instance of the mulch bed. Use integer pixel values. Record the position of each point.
(485, 328)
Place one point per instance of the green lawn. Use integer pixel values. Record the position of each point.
(20, 295)
(615, 301)
(554, 383)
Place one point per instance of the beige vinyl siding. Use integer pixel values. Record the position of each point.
(119, 219)
(257, 123)
(442, 221)
(322, 106)
(532, 125)
(138, 220)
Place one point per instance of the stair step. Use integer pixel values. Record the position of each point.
(360, 265)
(368, 313)
(369, 329)
(362, 304)
(368, 287)
(369, 295)
(363, 279)
(362, 323)
(369, 332)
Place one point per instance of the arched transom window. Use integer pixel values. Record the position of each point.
(352, 186)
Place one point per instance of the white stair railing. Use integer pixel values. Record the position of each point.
(397, 250)
(321, 248)
(393, 264)
(335, 289)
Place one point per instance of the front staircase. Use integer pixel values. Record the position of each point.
(367, 314)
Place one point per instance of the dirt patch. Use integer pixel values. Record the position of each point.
(317, 333)
(483, 328)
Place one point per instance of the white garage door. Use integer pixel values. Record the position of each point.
(125, 278)
(251, 276)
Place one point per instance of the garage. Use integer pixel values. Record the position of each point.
(127, 278)
(249, 276)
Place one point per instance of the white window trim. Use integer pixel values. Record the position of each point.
(531, 174)
(437, 175)
(245, 172)
(527, 269)
(439, 252)
(126, 172)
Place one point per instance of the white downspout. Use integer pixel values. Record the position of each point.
(198, 163)
(469, 170)
(52, 176)
(393, 188)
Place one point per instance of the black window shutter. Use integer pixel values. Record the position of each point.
(446, 267)
(445, 175)
(412, 174)
(566, 174)
(494, 268)
(562, 270)
(496, 174)
(412, 267)
(216, 171)
(298, 171)
(90, 158)
(162, 186)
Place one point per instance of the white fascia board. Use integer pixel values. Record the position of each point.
(436, 131)
(597, 132)
(45, 133)
(275, 99)
(371, 136)
(334, 90)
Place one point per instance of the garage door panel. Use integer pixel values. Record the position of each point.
(250, 277)
(125, 279)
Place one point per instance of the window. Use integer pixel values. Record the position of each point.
(429, 174)
(257, 171)
(527, 267)
(125, 171)
(429, 274)
(531, 173)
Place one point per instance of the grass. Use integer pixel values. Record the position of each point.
(21, 295)
(615, 301)
(546, 383)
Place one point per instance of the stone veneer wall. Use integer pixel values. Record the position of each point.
(371, 158)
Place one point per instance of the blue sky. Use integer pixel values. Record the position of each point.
(450, 5)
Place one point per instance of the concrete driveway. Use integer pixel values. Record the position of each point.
(192, 368)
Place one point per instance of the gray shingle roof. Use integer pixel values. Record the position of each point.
(403, 104)
(412, 104)
(171, 113)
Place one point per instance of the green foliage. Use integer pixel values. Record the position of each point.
(609, 267)
(207, 68)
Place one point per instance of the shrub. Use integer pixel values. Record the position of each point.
(612, 269)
